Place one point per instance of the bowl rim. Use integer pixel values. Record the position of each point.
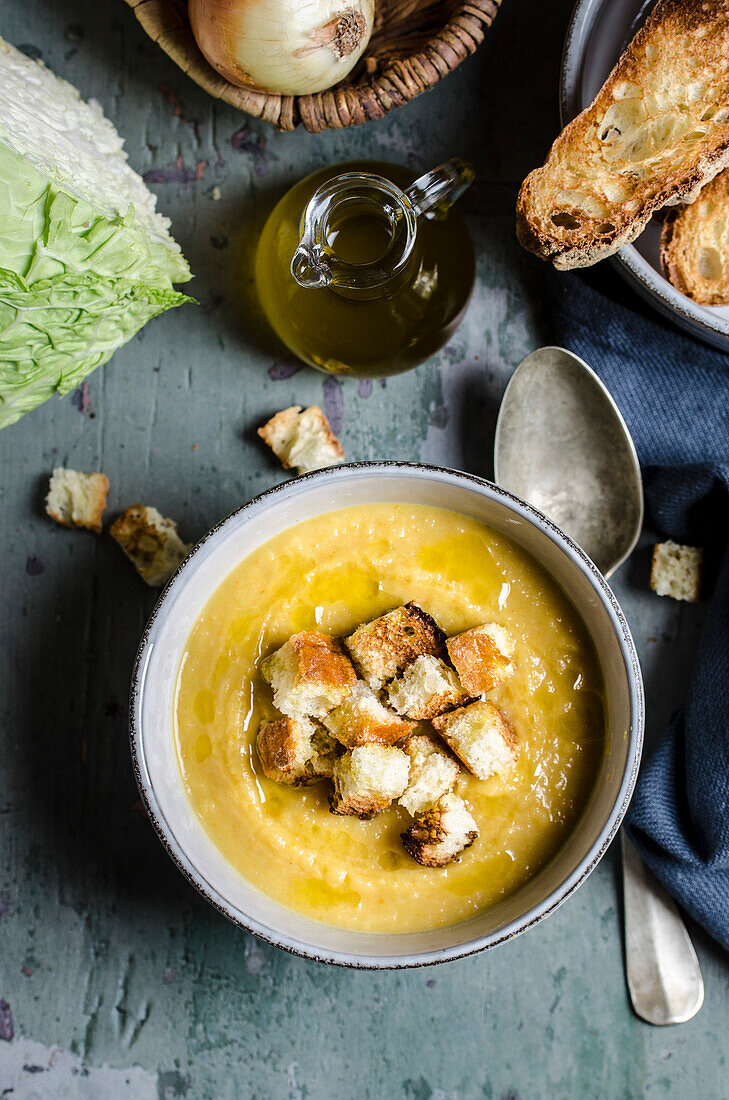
(479, 943)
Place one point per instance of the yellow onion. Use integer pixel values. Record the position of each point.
(287, 47)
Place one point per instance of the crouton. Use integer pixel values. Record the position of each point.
(150, 542)
(368, 779)
(433, 773)
(440, 833)
(363, 720)
(296, 753)
(302, 440)
(426, 688)
(480, 737)
(481, 657)
(382, 648)
(77, 500)
(676, 571)
(309, 674)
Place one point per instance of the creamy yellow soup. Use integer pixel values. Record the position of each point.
(331, 573)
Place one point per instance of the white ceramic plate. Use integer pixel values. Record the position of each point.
(597, 35)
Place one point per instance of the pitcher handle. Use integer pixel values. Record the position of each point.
(432, 195)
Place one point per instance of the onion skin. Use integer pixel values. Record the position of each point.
(282, 47)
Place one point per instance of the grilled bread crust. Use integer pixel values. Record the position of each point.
(695, 245)
(655, 134)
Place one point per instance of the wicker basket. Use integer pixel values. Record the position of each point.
(414, 44)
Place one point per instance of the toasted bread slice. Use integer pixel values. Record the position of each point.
(655, 134)
(676, 571)
(695, 245)
(440, 833)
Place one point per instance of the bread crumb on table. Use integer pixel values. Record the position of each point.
(77, 500)
(150, 542)
(302, 439)
(676, 571)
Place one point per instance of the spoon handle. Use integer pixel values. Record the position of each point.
(664, 977)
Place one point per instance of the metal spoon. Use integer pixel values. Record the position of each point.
(562, 444)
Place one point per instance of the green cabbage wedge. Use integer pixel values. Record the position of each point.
(85, 259)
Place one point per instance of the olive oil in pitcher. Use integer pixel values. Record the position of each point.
(363, 270)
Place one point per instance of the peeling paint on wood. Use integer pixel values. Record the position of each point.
(7, 1028)
(334, 403)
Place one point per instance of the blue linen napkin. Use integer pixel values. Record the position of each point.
(674, 395)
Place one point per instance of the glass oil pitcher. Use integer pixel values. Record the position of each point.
(362, 271)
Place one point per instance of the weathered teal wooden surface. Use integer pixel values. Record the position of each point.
(120, 981)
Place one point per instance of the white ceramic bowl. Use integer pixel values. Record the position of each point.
(159, 656)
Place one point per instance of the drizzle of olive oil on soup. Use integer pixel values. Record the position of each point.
(331, 573)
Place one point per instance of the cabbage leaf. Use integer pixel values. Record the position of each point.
(80, 270)
(55, 332)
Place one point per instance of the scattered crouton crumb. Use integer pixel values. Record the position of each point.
(368, 779)
(77, 500)
(150, 542)
(309, 674)
(441, 833)
(481, 738)
(302, 440)
(676, 571)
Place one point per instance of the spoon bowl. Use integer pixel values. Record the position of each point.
(562, 444)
